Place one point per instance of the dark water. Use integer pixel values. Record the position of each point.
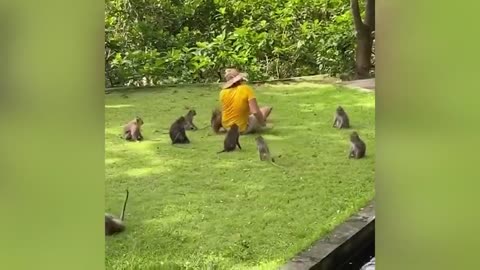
(360, 258)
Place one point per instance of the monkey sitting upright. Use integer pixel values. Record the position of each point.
(189, 125)
(341, 119)
(262, 148)
(231, 139)
(114, 225)
(177, 131)
(131, 131)
(216, 120)
(264, 151)
(358, 147)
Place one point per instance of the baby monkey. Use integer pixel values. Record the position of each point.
(231, 139)
(189, 125)
(358, 147)
(131, 131)
(264, 151)
(114, 225)
(177, 131)
(341, 118)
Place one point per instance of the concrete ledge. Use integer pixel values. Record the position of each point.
(321, 79)
(341, 245)
(363, 85)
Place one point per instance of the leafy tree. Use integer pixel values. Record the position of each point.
(175, 41)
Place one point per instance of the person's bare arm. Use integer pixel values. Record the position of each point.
(255, 110)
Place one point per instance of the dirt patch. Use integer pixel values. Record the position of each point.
(365, 84)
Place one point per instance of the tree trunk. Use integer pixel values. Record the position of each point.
(363, 48)
(363, 55)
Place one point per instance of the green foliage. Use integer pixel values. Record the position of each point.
(169, 41)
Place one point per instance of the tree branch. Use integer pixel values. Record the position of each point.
(357, 18)
(370, 15)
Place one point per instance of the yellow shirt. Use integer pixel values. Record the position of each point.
(235, 107)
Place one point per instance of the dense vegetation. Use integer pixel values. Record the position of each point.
(177, 41)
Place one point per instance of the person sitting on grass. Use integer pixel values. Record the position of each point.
(239, 104)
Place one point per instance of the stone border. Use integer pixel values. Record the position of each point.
(320, 79)
(314, 79)
(121, 88)
(338, 246)
(366, 85)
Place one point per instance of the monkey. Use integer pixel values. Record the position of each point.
(131, 131)
(189, 125)
(264, 151)
(177, 131)
(216, 120)
(114, 225)
(341, 119)
(358, 147)
(231, 140)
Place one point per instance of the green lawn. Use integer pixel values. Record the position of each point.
(193, 208)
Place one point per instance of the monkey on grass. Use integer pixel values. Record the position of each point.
(341, 119)
(358, 147)
(132, 130)
(189, 125)
(216, 121)
(231, 139)
(177, 131)
(114, 225)
(264, 151)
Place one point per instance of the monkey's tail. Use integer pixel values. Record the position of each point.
(221, 151)
(122, 216)
(272, 161)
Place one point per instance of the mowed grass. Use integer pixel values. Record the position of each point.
(191, 208)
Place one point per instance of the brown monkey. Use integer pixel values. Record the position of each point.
(216, 120)
(264, 151)
(231, 139)
(131, 131)
(341, 119)
(358, 147)
(114, 225)
(177, 131)
(189, 125)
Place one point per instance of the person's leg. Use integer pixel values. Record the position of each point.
(266, 111)
(253, 125)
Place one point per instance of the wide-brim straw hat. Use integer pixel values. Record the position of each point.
(232, 76)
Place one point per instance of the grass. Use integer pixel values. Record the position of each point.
(191, 208)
